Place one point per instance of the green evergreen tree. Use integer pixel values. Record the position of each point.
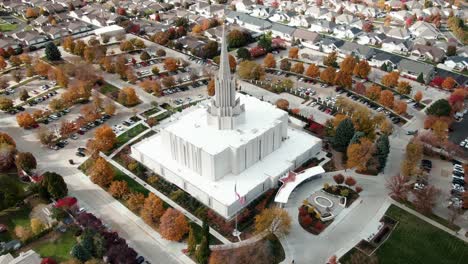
(384, 67)
(243, 53)
(440, 107)
(53, 185)
(80, 253)
(87, 241)
(191, 242)
(344, 134)
(52, 52)
(206, 230)
(265, 41)
(202, 254)
(420, 78)
(382, 150)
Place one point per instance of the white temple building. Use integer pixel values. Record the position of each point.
(231, 142)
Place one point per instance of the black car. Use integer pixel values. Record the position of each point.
(106, 117)
(125, 123)
(458, 181)
(81, 149)
(426, 163)
(60, 144)
(20, 108)
(459, 174)
(140, 260)
(80, 154)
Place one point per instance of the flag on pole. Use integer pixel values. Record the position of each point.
(239, 198)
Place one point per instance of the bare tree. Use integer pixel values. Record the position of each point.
(398, 187)
(425, 199)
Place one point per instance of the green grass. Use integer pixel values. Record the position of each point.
(436, 218)
(108, 88)
(7, 27)
(129, 134)
(132, 184)
(59, 249)
(415, 241)
(151, 111)
(12, 219)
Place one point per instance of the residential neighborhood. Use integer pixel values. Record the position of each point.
(233, 131)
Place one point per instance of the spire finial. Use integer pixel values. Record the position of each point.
(224, 68)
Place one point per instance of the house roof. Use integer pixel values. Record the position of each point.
(362, 50)
(460, 79)
(282, 28)
(434, 51)
(306, 35)
(415, 67)
(383, 56)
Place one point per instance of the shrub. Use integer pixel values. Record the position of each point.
(339, 178)
(23, 233)
(326, 186)
(319, 226)
(307, 220)
(358, 189)
(302, 211)
(350, 181)
(344, 192)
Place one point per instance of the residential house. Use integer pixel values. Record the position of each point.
(31, 38)
(282, 31)
(356, 50)
(461, 79)
(78, 27)
(425, 30)
(54, 32)
(372, 38)
(190, 44)
(307, 38)
(249, 22)
(299, 21)
(347, 32)
(395, 45)
(262, 11)
(243, 5)
(40, 21)
(53, 8)
(457, 63)
(317, 12)
(322, 26)
(330, 45)
(207, 10)
(412, 69)
(431, 53)
(345, 19)
(280, 16)
(390, 60)
(7, 42)
(28, 257)
(400, 16)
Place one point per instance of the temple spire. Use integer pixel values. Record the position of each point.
(224, 68)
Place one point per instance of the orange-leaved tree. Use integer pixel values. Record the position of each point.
(173, 225)
(101, 173)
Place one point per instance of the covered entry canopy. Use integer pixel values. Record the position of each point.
(292, 180)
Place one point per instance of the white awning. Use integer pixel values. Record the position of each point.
(292, 180)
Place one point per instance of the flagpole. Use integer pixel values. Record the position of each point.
(236, 232)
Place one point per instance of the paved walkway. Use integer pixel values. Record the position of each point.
(165, 198)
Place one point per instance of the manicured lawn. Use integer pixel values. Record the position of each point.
(132, 184)
(417, 242)
(108, 88)
(58, 249)
(126, 136)
(7, 27)
(151, 111)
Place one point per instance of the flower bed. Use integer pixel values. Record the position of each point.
(341, 190)
(310, 220)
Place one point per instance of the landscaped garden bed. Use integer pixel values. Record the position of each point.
(310, 220)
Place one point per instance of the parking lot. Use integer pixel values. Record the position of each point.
(459, 135)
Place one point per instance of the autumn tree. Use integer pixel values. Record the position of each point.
(109, 106)
(285, 65)
(128, 97)
(25, 58)
(282, 104)
(173, 225)
(211, 87)
(293, 53)
(359, 154)
(104, 139)
(413, 156)
(398, 187)
(330, 60)
(350, 181)
(440, 130)
(391, 79)
(3, 63)
(269, 61)
(274, 220)
(135, 201)
(25, 161)
(328, 75)
(418, 96)
(298, 67)
(348, 64)
(362, 69)
(313, 71)
(170, 64)
(36, 225)
(404, 87)
(101, 173)
(386, 98)
(61, 77)
(41, 68)
(344, 134)
(118, 189)
(339, 178)
(449, 83)
(425, 199)
(343, 79)
(250, 70)
(45, 136)
(68, 44)
(153, 209)
(400, 107)
(31, 13)
(5, 103)
(23, 95)
(25, 120)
